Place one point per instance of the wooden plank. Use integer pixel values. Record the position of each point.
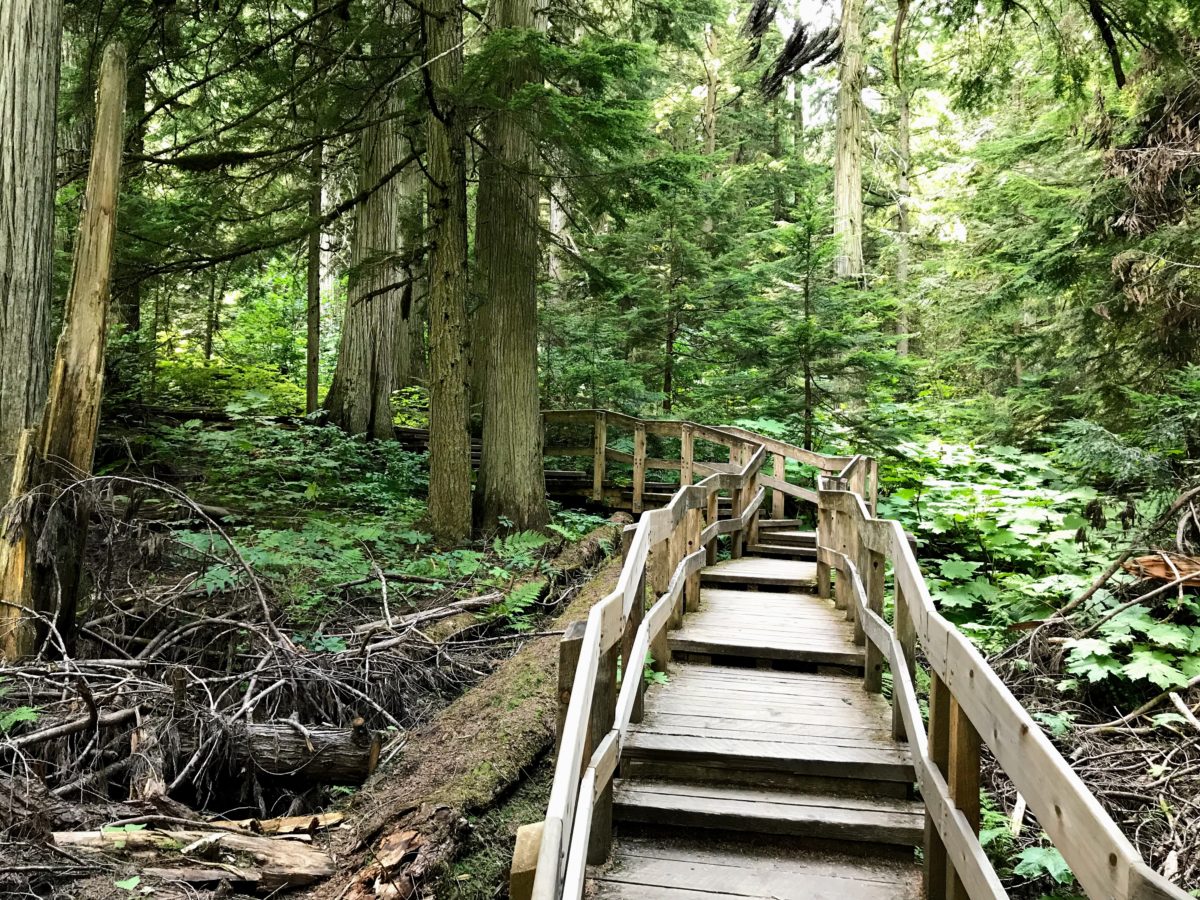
(524, 862)
(777, 495)
(811, 759)
(753, 810)
(687, 454)
(963, 779)
(580, 845)
(599, 445)
(639, 465)
(568, 661)
(600, 722)
(810, 723)
(723, 644)
(701, 872)
(939, 755)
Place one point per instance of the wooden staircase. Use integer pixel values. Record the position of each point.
(762, 768)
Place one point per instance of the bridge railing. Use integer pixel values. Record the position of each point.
(604, 425)
(968, 703)
(969, 706)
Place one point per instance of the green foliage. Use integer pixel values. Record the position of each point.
(1036, 862)
(12, 717)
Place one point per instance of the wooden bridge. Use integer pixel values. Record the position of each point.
(768, 763)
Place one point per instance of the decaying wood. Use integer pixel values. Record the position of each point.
(41, 541)
(269, 864)
(1164, 566)
(282, 825)
(497, 730)
(315, 754)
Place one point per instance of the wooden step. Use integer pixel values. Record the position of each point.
(783, 551)
(748, 810)
(765, 720)
(791, 536)
(758, 571)
(701, 867)
(767, 625)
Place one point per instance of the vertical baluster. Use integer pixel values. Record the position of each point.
(872, 568)
(711, 515)
(639, 465)
(632, 668)
(604, 709)
(693, 525)
(738, 502)
(686, 454)
(824, 539)
(939, 752)
(964, 781)
(906, 636)
(568, 661)
(599, 446)
(777, 496)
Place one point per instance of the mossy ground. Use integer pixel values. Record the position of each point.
(481, 872)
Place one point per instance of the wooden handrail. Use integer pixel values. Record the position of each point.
(1104, 862)
(668, 548)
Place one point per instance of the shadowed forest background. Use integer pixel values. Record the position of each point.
(960, 237)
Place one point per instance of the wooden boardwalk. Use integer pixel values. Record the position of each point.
(762, 768)
(771, 762)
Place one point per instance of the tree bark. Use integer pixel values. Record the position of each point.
(376, 317)
(30, 39)
(41, 585)
(127, 291)
(847, 163)
(903, 165)
(449, 438)
(512, 483)
(312, 312)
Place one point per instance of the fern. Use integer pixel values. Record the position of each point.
(517, 549)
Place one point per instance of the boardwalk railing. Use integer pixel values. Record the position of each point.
(968, 704)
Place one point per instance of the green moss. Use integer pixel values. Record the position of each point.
(481, 872)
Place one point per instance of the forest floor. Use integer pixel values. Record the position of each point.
(266, 625)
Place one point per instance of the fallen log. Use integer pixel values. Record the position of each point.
(317, 754)
(496, 731)
(282, 825)
(268, 864)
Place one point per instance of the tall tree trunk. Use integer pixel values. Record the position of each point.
(511, 479)
(558, 233)
(449, 438)
(903, 165)
(312, 311)
(211, 315)
(127, 290)
(359, 399)
(847, 162)
(60, 449)
(30, 39)
(410, 348)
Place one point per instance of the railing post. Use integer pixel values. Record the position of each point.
(963, 780)
(639, 465)
(599, 454)
(604, 710)
(737, 503)
(748, 498)
(777, 496)
(936, 860)
(687, 443)
(824, 539)
(873, 493)
(691, 590)
(711, 515)
(872, 569)
(630, 667)
(906, 636)
(568, 661)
